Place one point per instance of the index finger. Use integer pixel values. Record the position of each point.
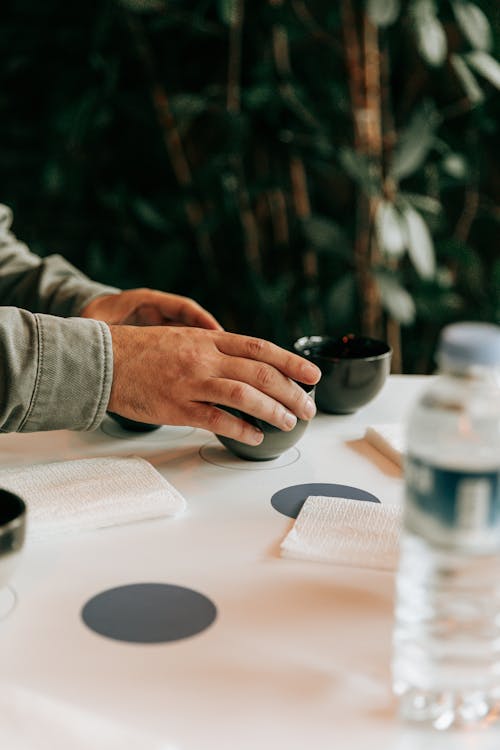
(250, 347)
(186, 311)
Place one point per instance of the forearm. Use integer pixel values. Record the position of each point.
(54, 373)
(47, 285)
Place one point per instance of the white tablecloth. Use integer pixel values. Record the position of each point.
(299, 654)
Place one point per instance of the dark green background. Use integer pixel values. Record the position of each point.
(83, 162)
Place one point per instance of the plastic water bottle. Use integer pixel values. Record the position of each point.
(446, 643)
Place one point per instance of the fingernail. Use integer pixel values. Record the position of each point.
(310, 408)
(289, 420)
(257, 437)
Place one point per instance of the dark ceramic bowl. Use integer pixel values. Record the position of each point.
(275, 441)
(353, 369)
(12, 533)
(132, 425)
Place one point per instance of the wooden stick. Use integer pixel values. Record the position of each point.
(354, 63)
(173, 144)
(248, 221)
(234, 61)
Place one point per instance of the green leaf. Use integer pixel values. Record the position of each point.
(431, 36)
(395, 299)
(259, 96)
(471, 87)
(455, 165)
(188, 106)
(415, 142)
(325, 234)
(360, 169)
(473, 24)
(383, 12)
(486, 65)
(341, 298)
(228, 10)
(424, 203)
(390, 229)
(420, 244)
(149, 215)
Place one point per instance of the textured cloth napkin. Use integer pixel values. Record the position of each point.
(388, 439)
(347, 532)
(33, 721)
(90, 493)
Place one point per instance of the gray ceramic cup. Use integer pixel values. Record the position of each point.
(275, 441)
(12, 533)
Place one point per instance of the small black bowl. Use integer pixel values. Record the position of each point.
(132, 425)
(12, 533)
(275, 441)
(353, 369)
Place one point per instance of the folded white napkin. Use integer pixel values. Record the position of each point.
(33, 721)
(70, 496)
(388, 439)
(347, 532)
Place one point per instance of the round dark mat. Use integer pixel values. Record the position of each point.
(149, 613)
(290, 500)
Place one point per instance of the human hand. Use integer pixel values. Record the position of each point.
(148, 307)
(177, 376)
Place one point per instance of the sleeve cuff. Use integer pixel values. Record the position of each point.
(74, 374)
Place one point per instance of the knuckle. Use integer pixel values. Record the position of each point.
(238, 392)
(291, 364)
(300, 396)
(256, 347)
(242, 431)
(277, 411)
(185, 304)
(214, 419)
(265, 376)
(190, 356)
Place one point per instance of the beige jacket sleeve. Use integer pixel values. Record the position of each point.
(55, 370)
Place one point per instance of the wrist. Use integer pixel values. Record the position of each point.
(119, 345)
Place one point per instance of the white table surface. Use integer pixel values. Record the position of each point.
(299, 654)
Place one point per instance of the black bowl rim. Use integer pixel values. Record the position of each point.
(119, 418)
(19, 518)
(300, 344)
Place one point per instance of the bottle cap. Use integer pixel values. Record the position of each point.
(470, 344)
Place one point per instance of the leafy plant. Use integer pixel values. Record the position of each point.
(299, 166)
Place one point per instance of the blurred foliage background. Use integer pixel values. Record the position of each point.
(297, 166)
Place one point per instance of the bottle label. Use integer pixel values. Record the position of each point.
(459, 506)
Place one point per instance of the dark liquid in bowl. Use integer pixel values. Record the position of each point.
(348, 348)
(353, 369)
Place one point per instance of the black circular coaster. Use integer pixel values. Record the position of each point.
(149, 613)
(290, 500)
